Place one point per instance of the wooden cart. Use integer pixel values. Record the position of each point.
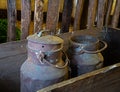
(14, 53)
(106, 79)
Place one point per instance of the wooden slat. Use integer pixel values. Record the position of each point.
(101, 13)
(103, 80)
(25, 18)
(66, 15)
(109, 7)
(91, 13)
(116, 15)
(52, 15)
(12, 55)
(11, 13)
(78, 14)
(38, 15)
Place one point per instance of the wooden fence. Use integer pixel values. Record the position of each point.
(98, 14)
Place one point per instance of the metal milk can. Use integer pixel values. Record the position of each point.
(84, 54)
(44, 65)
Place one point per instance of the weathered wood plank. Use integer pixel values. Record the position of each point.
(109, 7)
(52, 15)
(38, 15)
(25, 18)
(12, 48)
(103, 80)
(101, 13)
(11, 13)
(10, 73)
(91, 13)
(116, 15)
(12, 55)
(78, 14)
(66, 15)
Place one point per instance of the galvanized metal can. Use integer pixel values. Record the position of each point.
(44, 65)
(84, 54)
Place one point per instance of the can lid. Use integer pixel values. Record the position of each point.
(47, 39)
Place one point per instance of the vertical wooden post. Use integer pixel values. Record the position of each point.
(78, 14)
(52, 15)
(101, 13)
(11, 13)
(38, 15)
(66, 16)
(25, 18)
(108, 12)
(91, 13)
(116, 14)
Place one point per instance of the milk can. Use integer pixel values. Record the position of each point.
(84, 54)
(44, 65)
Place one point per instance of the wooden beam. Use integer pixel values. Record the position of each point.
(78, 14)
(38, 15)
(11, 13)
(25, 18)
(52, 15)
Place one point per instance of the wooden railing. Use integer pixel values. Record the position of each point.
(98, 15)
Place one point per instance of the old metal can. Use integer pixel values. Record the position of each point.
(44, 65)
(84, 54)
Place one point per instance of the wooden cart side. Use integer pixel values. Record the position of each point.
(103, 80)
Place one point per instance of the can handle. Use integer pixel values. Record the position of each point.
(97, 51)
(39, 34)
(42, 60)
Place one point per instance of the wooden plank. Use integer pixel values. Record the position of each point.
(101, 13)
(10, 72)
(12, 48)
(116, 15)
(11, 12)
(66, 15)
(103, 80)
(78, 14)
(12, 55)
(38, 15)
(25, 18)
(107, 18)
(91, 13)
(52, 15)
